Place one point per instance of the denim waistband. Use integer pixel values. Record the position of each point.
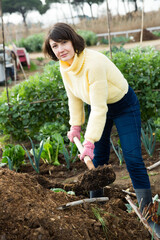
(129, 99)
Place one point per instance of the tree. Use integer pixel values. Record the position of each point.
(90, 3)
(23, 7)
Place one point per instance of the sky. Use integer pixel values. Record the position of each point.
(57, 13)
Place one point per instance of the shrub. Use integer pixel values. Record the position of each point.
(157, 33)
(32, 43)
(141, 68)
(89, 37)
(21, 118)
(120, 39)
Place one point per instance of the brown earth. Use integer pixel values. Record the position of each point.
(147, 35)
(28, 208)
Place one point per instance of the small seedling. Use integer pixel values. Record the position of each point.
(36, 156)
(148, 139)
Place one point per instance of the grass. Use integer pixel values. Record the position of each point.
(97, 214)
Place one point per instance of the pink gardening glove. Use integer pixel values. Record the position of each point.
(74, 132)
(88, 150)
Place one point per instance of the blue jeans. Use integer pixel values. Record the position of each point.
(126, 116)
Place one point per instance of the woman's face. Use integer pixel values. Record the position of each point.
(63, 50)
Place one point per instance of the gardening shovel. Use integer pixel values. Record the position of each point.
(96, 177)
(87, 159)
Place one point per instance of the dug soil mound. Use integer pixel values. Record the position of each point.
(29, 206)
(28, 210)
(147, 35)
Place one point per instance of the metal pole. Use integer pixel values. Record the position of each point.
(109, 36)
(6, 83)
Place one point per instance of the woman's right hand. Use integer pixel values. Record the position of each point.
(74, 132)
(88, 150)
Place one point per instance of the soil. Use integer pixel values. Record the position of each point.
(147, 35)
(28, 206)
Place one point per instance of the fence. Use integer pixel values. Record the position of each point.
(127, 32)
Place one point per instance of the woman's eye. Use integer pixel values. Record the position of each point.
(64, 41)
(54, 46)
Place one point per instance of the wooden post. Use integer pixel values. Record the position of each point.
(109, 36)
(6, 83)
(142, 23)
(69, 2)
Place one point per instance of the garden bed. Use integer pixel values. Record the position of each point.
(28, 208)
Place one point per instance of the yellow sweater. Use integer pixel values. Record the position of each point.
(94, 79)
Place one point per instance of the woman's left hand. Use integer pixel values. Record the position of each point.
(87, 150)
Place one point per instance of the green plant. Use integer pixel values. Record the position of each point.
(104, 40)
(148, 139)
(51, 150)
(69, 154)
(129, 208)
(8, 162)
(36, 155)
(157, 128)
(40, 59)
(22, 117)
(89, 37)
(118, 151)
(33, 67)
(140, 66)
(57, 190)
(97, 214)
(33, 43)
(157, 33)
(50, 128)
(13, 156)
(120, 39)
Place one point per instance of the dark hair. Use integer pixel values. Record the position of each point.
(59, 32)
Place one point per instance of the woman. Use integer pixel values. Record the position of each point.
(91, 77)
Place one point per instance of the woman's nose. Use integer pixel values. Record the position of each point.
(60, 48)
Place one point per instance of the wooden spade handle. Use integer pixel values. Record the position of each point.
(87, 159)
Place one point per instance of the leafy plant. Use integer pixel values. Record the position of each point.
(13, 156)
(69, 154)
(50, 128)
(36, 155)
(118, 151)
(140, 66)
(149, 139)
(32, 43)
(22, 118)
(57, 190)
(157, 33)
(50, 151)
(89, 37)
(120, 39)
(40, 59)
(157, 128)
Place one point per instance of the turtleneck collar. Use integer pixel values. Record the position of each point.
(76, 65)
